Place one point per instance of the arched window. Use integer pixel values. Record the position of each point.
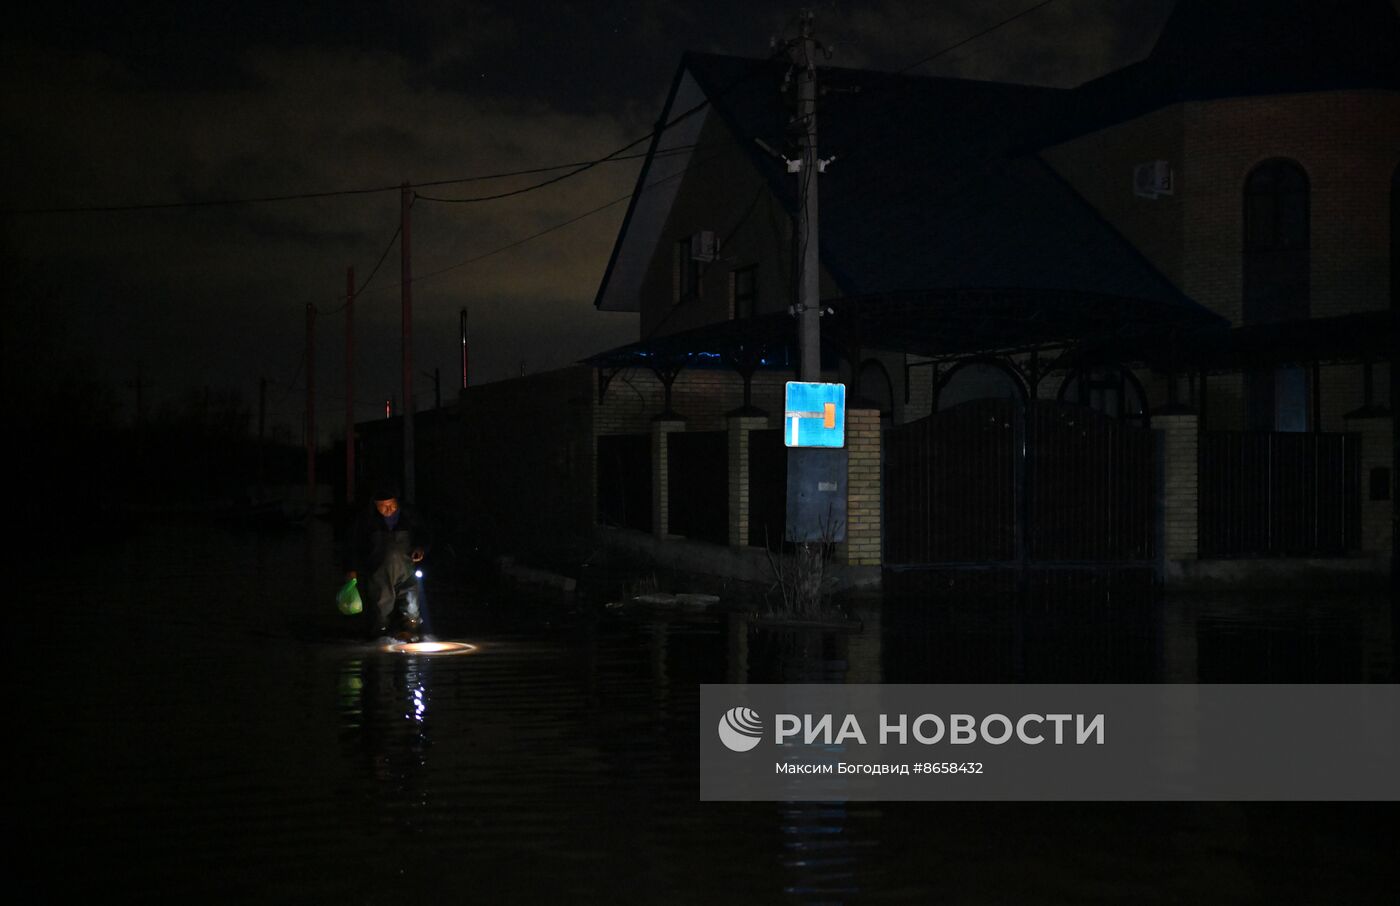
(1276, 285)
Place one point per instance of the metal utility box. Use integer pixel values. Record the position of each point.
(816, 494)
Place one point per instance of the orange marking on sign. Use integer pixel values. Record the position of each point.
(829, 415)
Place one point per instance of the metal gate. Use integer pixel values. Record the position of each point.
(1279, 494)
(989, 482)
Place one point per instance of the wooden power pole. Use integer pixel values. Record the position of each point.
(406, 278)
(310, 405)
(350, 384)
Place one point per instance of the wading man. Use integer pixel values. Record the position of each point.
(385, 543)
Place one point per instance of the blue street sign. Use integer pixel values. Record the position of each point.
(814, 415)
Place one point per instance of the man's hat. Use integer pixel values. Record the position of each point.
(386, 490)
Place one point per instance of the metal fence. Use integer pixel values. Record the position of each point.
(986, 482)
(1279, 494)
(698, 484)
(767, 488)
(624, 480)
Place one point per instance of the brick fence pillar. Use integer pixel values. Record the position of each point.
(739, 428)
(1180, 498)
(660, 475)
(864, 541)
(1376, 430)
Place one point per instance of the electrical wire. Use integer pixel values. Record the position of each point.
(669, 152)
(970, 38)
(558, 226)
(382, 255)
(614, 157)
(886, 80)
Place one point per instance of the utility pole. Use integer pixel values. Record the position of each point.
(138, 428)
(462, 324)
(406, 278)
(310, 405)
(350, 385)
(809, 287)
(262, 433)
(809, 469)
(436, 375)
(140, 387)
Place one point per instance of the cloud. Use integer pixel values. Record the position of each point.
(222, 290)
(217, 295)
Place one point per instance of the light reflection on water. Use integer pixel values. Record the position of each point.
(193, 727)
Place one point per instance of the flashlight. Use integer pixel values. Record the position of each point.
(417, 574)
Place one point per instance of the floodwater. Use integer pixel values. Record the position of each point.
(193, 726)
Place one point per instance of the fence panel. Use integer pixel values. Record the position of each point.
(698, 484)
(624, 480)
(1279, 494)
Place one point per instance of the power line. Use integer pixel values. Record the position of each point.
(382, 255)
(559, 226)
(686, 149)
(970, 38)
(888, 78)
(576, 166)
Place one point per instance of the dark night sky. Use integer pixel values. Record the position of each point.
(167, 102)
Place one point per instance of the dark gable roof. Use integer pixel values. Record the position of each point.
(1212, 49)
(1218, 48)
(929, 192)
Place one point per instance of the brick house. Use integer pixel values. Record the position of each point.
(1145, 322)
(1198, 248)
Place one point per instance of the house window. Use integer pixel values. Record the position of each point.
(1276, 286)
(744, 292)
(1276, 243)
(687, 272)
(1277, 399)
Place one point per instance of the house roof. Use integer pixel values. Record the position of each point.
(946, 232)
(1211, 49)
(928, 192)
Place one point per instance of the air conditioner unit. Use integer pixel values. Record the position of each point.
(1152, 179)
(703, 246)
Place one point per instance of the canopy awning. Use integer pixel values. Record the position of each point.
(936, 324)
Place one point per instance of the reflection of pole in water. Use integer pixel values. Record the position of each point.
(865, 649)
(1179, 655)
(658, 638)
(736, 645)
(819, 857)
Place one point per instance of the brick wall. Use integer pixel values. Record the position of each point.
(661, 475)
(863, 546)
(1348, 143)
(1179, 446)
(739, 428)
(1376, 450)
